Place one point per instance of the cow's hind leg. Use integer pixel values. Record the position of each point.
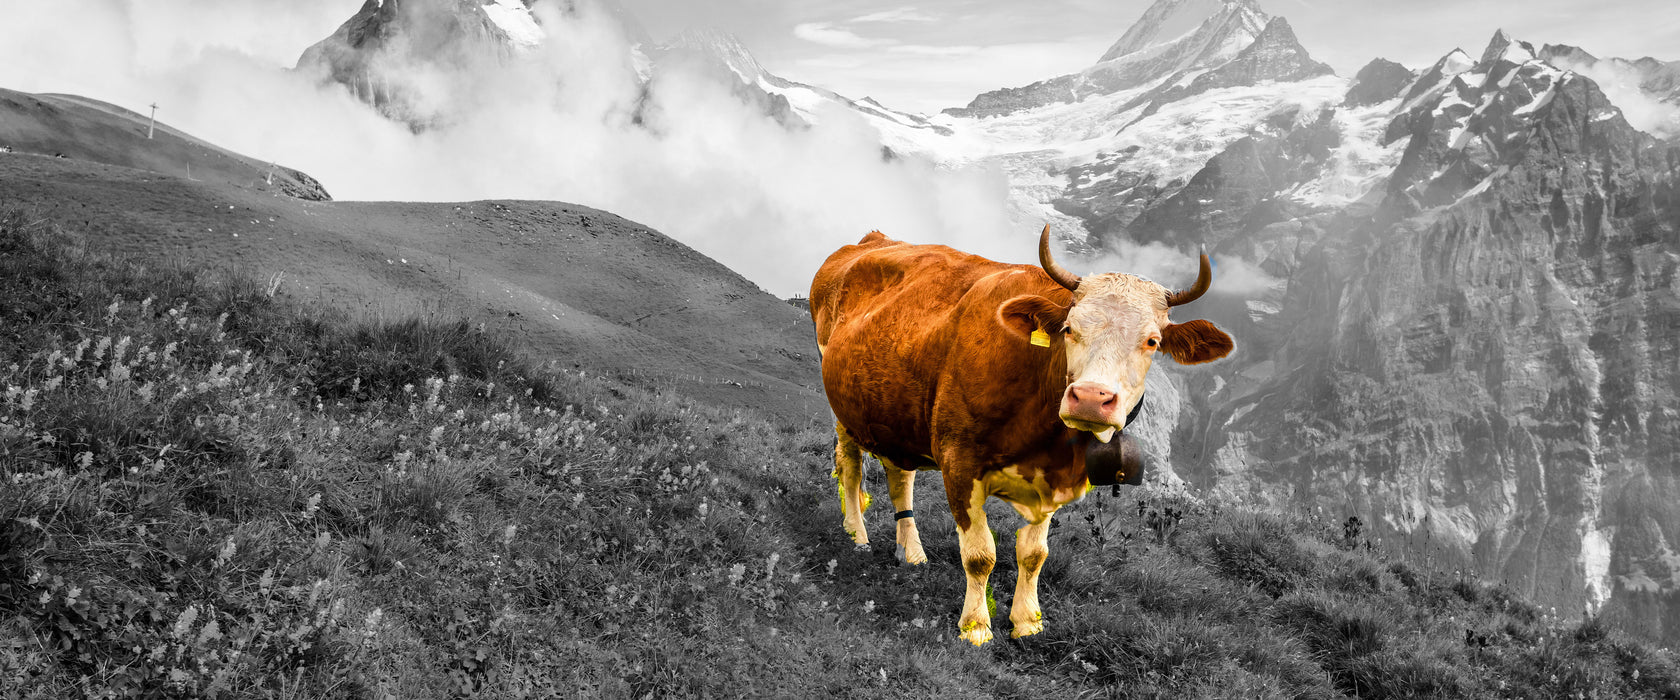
(901, 485)
(848, 468)
(1031, 549)
(979, 554)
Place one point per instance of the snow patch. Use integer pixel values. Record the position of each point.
(1360, 163)
(1456, 62)
(516, 21)
(1178, 140)
(1540, 102)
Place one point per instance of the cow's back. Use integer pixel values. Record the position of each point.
(885, 315)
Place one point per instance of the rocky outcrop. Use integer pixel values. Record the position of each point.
(1380, 80)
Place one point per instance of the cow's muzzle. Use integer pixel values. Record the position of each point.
(1092, 407)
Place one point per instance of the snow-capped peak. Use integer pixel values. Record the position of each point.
(1503, 48)
(1167, 20)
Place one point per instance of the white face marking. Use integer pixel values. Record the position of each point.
(1113, 332)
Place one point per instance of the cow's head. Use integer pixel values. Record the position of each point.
(1111, 333)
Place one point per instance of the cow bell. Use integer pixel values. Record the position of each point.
(1119, 461)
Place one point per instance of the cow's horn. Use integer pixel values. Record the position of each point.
(1056, 271)
(1204, 279)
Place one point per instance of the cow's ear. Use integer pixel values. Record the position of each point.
(1195, 342)
(1031, 312)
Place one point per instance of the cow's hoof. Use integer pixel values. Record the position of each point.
(911, 557)
(977, 634)
(1023, 629)
(861, 546)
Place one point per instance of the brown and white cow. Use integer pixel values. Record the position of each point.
(937, 359)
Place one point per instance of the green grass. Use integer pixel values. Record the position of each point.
(212, 491)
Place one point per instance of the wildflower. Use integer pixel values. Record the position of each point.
(507, 535)
(736, 573)
(211, 631)
(226, 553)
(831, 564)
(312, 504)
(702, 510)
(770, 566)
(372, 623)
(184, 623)
(868, 607)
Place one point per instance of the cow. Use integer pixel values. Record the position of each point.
(997, 375)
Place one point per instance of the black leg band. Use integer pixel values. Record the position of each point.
(904, 514)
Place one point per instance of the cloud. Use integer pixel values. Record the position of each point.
(828, 34)
(901, 14)
(570, 121)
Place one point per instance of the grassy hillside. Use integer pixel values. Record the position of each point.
(84, 129)
(215, 490)
(608, 294)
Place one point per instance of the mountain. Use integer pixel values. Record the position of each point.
(1474, 355)
(385, 53)
(1091, 151)
(83, 129)
(1171, 40)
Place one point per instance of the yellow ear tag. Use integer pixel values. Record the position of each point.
(1040, 338)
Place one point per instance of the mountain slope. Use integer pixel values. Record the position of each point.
(1483, 354)
(89, 130)
(582, 287)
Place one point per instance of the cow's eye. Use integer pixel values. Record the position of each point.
(1153, 342)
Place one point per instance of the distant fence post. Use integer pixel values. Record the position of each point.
(152, 127)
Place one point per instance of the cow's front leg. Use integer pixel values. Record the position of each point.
(901, 485)
(848, 468)
(979, 553)
(1031, 549)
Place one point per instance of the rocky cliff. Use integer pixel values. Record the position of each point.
(1477, 355)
